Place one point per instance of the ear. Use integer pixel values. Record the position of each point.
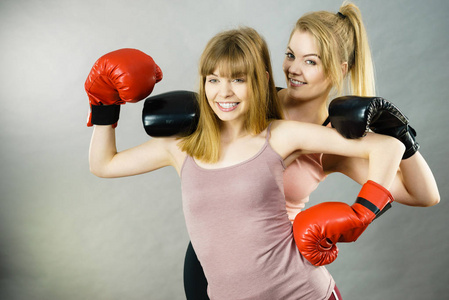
(344, 68)
(268, 76)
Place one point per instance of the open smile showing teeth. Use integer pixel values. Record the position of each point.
(297, 82)
(227, 105)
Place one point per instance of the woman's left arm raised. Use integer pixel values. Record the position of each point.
(317, 229)
(383, 152)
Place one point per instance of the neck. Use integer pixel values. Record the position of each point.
(231, 131)
(311, 111)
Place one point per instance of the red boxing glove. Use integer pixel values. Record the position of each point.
(317, 229)
(124, 75)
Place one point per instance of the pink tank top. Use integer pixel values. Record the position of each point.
(301, 178)
(238, 224)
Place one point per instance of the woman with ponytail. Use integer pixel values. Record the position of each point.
(328, 55)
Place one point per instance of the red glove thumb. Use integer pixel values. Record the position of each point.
(124, 75)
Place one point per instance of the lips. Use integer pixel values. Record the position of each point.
(295, 82)
(227, 106)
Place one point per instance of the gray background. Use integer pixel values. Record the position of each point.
(65, 234)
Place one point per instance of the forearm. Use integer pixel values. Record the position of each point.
(102, 149)
(416, 184)
(384, 160)
(413, 185)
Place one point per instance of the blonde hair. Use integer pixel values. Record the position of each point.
(235, 52)
(340, 38)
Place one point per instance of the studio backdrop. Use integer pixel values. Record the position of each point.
(68, 235)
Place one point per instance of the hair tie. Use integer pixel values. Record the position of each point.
(341, 15)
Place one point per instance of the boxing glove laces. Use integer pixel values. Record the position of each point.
(354, 116)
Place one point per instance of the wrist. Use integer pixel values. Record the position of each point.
(375, 200)
(104, 114)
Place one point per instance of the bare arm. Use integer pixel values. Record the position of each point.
(413, 185)
(418, 186)
(105, 161)
(383, 153)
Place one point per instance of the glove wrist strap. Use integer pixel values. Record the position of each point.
(374, 197)
(105, 114)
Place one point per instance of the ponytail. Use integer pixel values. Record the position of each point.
(360, 63)
(341, 37)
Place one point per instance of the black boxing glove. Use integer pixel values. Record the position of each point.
(353, 116)
(171, 114)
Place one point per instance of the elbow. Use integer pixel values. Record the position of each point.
(388, 146)
(93, 169)
(399, 147)
(97, 172)
(433, 200)
(395, 148)
(429, 201)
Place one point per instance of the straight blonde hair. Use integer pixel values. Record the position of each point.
(341, 38)
(235, 52)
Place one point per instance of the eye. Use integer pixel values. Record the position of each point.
(289, 55)
(310, 62)
(238, 80)
(212, 80)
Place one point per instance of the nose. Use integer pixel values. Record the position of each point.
(225, 89)
(293, 67)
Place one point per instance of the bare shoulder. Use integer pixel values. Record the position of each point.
(174, 156)
(178, 155)
(284, 128)
(300, 137)
(283, 137)
(276, 124)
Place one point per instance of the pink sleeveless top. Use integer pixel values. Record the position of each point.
(301, 178)
(238, 224)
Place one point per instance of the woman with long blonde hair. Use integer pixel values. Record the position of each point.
(341, 64)
(328, 55)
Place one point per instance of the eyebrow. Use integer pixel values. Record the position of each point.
(237, 75)
(306, 55)
(312, 54)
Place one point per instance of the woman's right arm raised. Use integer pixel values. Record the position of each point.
(124, 75)
(105, 161)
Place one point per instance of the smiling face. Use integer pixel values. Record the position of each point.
(304, 70)
(227, 96)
